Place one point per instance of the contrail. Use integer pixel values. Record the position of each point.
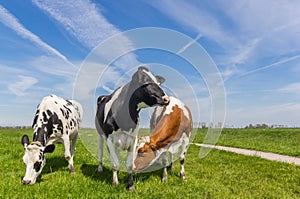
(109, 90)
(189, 44)
(12, 22)
(271, 65)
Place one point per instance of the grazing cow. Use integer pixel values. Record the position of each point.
(56, 120)
(173, 127)
(117, 118)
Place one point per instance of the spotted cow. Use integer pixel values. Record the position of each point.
(117, 118)
(171, 128)
(55, 120)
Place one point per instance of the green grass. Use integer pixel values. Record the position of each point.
(281, 141)
(219, 175)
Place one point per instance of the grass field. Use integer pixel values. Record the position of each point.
(281, 141)
(219, 175)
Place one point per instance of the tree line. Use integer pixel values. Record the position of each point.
(257, 126)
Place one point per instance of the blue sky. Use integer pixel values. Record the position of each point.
(254, 44)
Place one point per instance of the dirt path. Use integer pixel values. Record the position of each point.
(265, 155)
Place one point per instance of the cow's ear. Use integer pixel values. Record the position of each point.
(25, 141)
(139, 76)
(160, 79)
(49, 148)
(143, 68)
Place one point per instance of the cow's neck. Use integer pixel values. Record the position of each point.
(40, 136)
(133, 102)
(127, 115)
(133, 108)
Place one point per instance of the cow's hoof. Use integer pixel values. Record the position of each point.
(171, 167)
(131, 188)
(115, 183)
(164, 179)
(182, 175)
(71, 168)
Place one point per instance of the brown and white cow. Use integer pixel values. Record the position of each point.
(56, 120)
(173, 127)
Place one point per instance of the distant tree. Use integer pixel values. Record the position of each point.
(251, 126)
(258, 126)
(264, 126)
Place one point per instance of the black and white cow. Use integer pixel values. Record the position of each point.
(117, 118)
(56, 120)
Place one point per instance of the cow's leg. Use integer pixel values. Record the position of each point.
(171, 161)
(129, 166)
(182, 172)
(101, 138)
(100, 152)
(185, 144)
(72, 151)
(66, 142)
(114, 158)
(67, 153)
(164, 163)
(131, 152)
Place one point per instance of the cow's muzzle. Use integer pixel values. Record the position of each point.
(166, 100)
(26, 182)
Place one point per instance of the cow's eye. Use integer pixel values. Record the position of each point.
(37, 166)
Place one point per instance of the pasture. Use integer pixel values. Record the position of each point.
(218, 175)
(281, 141)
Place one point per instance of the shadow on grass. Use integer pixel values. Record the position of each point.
(157, 170)
(55, 164)
(91, 171)
(154, 170)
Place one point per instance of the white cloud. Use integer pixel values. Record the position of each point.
(90, 76)
(195, 17)
(293, 88)
(81, 19)
(9, 70)
(244, 52)
(276, 25)
(23, 83)
(247, 32)
(12, 22)
(263, 18)
(54, 66)
(84, 21)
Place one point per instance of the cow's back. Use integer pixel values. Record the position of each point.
(170, 124)
(58, 116)
(163, 116)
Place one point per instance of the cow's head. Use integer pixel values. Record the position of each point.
(148, 88)
(145, 154)
(34, 159)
